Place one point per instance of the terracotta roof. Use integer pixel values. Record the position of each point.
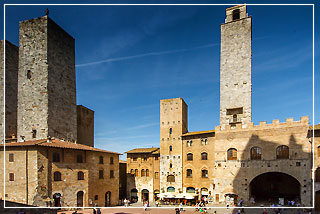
(315, 127)
(58, 144)
(156, 152)
(143, 150)
(199, 132)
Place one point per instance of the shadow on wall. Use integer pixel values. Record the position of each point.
(271, 173)
(132, 191)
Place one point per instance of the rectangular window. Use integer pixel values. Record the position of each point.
(11, 176)
(11, 157)
(100, 174)
(156, 175)
(111, 174)
(156, 158)
(145, 159)
(100, 160)
(96, 197)
(134, 158)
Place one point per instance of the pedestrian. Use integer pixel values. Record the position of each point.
(145, 206)
(157, 203)
(265, 211)
(94, 211)
(21, 212)
(177, 211)
(98, 211)
(125, 202)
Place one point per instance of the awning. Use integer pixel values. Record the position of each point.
(190, 195)
(179, 196)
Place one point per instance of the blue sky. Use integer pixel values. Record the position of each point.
(130, 57)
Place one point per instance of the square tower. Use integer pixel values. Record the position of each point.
(11, 89)
(235, 68)
(46, 81)
(173, 123)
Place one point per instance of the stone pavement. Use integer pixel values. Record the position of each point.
(167, 210)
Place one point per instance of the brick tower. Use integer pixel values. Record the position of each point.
(173, 123)
(235, 68)
(46, 81)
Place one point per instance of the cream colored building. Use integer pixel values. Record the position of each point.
(238, 159)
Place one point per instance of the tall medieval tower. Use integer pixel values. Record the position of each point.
(235, 68)
(173, 123)
(46, 82)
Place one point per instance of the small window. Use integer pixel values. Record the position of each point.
(189, 173)
(170, 131)
(145, 159)
(143, 173)
(156, 175)
(80, 175)
(55, 157)
(204, 141)
(298, 164)
(34, 133)
(171, 189)
(189, 143)
(170, 165)
(170, 178)
(170, 148)
(255, 153)
(57, 176)
(111, 174)
(79, 159)
(236, 14)
(11, 176)
(147, 172)
(232, 154)
(11, 157)
(191, 190)
(136, 172)
(29, 74)
(204, 173)
(134, 158)
(189, 156)
(100, 160)
(96, 197)
(204, 156)
(111, 160)
(156, 158)
(282, 152)
(132, 172)
(100, 174)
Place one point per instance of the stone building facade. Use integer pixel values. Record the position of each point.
(143, 174)
(59, 173)
(46, 82)
(238, 159)
(53, 161)
(11, 89)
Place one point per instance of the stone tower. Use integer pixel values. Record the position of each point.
(46, 81)
(11, 86)
(235, 68)
(173, 123)
(85, 126)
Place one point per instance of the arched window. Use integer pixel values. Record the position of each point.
(80, 175)
(189, 173)
(170, 165)
(204, 173)
(57, 176)
(232, 154)
(143, 173)
(283, 152)
(255, 153)
(189, 156)
(136, 172)
(171, 189)
(170, 148)
(132, 172)
(111, 160)
(100, 160)
(191, 190)
(318, 151)
(236, 14)
(204, 156)
(55, 157)
(147, 172)
(79, 159)
(170, 178)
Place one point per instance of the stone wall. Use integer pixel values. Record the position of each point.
(173, 123)
(235, 69)
(85, 126)
(46, 81)
(11, 80)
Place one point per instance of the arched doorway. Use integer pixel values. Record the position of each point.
(317, 201)
(145, 195)
(134, 195)
(107, 199)
(57, 200)
(271, 186)
(80, 199)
